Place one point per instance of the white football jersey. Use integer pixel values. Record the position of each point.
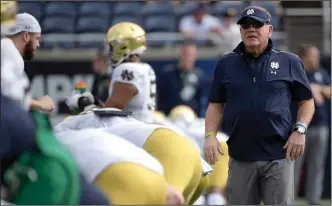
(143, 77)
(14, 81)
(130, 129)
(94, 150)
(134, 131)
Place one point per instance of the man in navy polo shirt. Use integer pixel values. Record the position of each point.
(318, 132)
(250, 98)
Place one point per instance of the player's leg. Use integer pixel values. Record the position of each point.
(123, 180)
(316, 157)
(218, 179)
(179, 157)
(242, 183)
(203, 184)
(277, 182)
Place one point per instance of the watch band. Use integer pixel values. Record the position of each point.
(300, 129)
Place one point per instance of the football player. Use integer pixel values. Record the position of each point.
(126, 173)
(133, 84)
(185, 118)
(8, 13)
(183, 166)
(20, 43)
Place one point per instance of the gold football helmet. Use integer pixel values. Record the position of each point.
(183, 113)
(123, 40)
(158, 116)
(8, 15)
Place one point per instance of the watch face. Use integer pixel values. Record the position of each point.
(301, 130)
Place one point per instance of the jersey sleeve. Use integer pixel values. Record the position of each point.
(126, 74)
(14, 87)
(300, 87)
(184, 25)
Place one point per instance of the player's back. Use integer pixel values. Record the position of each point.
(14, 81)
(143, 78)
(128, 128)
(94, 150)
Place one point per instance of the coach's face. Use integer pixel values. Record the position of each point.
(32, 44)
(255, 33)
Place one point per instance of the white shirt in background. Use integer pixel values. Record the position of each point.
(231, 36)
(199, 31)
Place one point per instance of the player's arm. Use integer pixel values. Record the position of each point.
(45, 103)
(124, 87)
(327, 91)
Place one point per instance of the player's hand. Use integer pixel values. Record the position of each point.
(46, 104)
(211, 149)
(295, 146)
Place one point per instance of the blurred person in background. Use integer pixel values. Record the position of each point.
(181, 84)
(318, 132)
(133, 84)
(20, 44)
(326, 63)
(231, 31)
(200, 25)
(101, 77)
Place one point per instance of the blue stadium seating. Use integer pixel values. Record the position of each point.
(186, 8)
(58, 25)
(118, 19)
(160, 23)
(222, 7)
(272, 8)
(33, 8)
(127, 8)
(96, 9)
(63, 9)
(91, 25)
(60, 45)
(158, 8)
(88, 41)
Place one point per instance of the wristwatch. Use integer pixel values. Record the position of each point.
(300, 129)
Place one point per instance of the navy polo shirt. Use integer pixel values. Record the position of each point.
(257, 93)
(321, 116)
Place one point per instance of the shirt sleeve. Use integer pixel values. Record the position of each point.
(15, 86)
(215, 22)
(128, 75)
(300, 87)
(327, 77)
(184, 25)
(217, 92)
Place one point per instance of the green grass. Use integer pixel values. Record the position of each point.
(322, 202)
(302, 201)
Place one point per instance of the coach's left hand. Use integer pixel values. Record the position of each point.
(295, 146)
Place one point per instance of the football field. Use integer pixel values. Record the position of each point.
(323, 202)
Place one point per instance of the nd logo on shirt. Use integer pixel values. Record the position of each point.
(274, 68)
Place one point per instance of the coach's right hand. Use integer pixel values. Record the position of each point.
(211, 149)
